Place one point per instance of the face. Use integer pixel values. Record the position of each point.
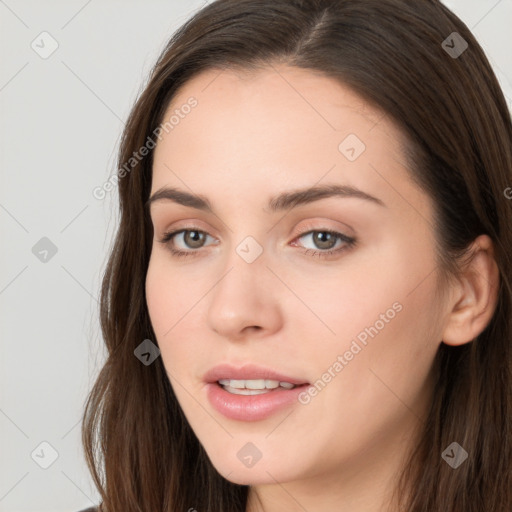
(332, 292)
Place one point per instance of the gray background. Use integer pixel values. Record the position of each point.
(61, 120)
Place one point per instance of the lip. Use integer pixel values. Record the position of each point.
(250, 407)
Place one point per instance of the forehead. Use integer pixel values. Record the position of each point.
(300, 94)
(259, 128)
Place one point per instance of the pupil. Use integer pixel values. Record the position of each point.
(319, 239)
(195, 236)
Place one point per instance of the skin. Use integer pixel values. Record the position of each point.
(252, 136)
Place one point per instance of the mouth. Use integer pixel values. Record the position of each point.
(250, 377)
(253, 386)
(250, 392)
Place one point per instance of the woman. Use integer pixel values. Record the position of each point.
(308, 303)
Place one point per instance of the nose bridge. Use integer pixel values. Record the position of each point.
(244, 297)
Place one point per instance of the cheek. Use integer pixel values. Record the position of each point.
(165, 299)
(168, 296)
(158, 297)
(173, 305)
(386, 325)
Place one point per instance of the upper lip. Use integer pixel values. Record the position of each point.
(248, 372)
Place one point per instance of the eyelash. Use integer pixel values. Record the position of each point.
(349, 242)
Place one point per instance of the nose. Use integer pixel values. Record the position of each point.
(245, 300)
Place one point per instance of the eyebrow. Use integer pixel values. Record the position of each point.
(283, 201)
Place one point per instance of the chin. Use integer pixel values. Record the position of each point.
(253, 476)
(253, 472)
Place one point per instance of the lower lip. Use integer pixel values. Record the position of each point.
(251, 407)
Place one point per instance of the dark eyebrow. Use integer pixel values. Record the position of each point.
(284, 201)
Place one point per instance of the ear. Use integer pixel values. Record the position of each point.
(475, 296)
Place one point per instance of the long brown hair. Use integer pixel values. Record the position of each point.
(140, 450)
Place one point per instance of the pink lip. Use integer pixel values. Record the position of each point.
(250, 407)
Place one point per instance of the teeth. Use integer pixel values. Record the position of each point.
(238, 391)
(252, 386)
(238, 384)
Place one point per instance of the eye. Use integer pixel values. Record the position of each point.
(195, 241)
(325, 240)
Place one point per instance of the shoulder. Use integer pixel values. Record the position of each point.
(90, 509)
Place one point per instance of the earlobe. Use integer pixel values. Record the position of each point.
(476, 295)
